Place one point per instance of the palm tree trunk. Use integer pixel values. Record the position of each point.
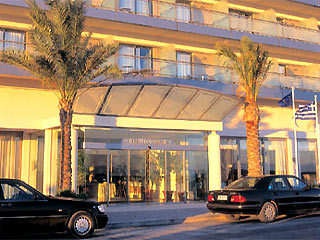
(253, 150)
(65, 146)
(251, 117)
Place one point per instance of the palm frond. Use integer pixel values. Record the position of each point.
(252, 66)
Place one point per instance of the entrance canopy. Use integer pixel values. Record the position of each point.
(155, 101)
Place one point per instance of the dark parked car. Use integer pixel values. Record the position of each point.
(22, 208)
(266, 196)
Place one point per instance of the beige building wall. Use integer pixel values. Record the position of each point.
(26, 108)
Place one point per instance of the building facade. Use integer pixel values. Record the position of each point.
(175, 131)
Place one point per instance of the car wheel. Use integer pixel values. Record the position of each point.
(233, 217)
(81, 225)
(268, 213)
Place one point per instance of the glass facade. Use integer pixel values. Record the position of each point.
(234, 158)
(147, 166)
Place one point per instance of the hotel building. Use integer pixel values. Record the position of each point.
(175, 130)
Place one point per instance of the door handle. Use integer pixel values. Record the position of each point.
(6, 204)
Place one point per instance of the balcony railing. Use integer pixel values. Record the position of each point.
(204, 72)
(199, 16)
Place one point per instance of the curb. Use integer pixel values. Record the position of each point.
(149, 223)
(161, 222)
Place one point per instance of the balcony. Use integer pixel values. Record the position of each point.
(199, 16)
(149, 67)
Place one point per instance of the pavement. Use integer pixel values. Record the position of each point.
(156, 214)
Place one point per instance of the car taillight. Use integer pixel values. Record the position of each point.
(210, 198)
(238, 198)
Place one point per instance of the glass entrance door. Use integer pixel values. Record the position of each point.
(142, 175)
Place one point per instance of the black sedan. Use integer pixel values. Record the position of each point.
(22, 208)
(266, 196)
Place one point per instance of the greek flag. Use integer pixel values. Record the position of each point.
(306, 112)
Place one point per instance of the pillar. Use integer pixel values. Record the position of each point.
(214, 161)
(290, 152)
(74, 159)
(47, 162)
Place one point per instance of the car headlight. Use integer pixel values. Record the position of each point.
(102, 208)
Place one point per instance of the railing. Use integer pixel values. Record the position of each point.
(203, 72)
(199, 16)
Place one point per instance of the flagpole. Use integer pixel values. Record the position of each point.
(297, 164)
(318, 140)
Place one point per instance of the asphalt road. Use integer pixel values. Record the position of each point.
(306, 228)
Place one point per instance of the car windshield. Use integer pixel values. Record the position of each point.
(244, 183)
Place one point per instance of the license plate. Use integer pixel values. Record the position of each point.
(223, 197)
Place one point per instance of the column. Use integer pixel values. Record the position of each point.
(291, 168)
(25, 165)
(214, 161)
(74, 158)
(47, 162)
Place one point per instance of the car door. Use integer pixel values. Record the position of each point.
(21, 208)
(282, 194)
(305, 198)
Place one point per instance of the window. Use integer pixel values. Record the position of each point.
(12, 39)
(143, 7)
(296, 184)
(278, 184)
(240, 12)
(274, 156)
(133, 58)
(184, 64)
(283, 69)
(15, 192)
(183, 10)
(307, 156)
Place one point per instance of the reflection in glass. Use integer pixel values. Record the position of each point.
(174, 176)
(155, 187)
(118, 175)
(308, 160)
(196, 175)
(137, 175)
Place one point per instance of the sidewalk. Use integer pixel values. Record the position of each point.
(154, 214)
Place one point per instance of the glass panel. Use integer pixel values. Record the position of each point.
(143, 60)
(156, 176)
(275, 158)
(40, 163)
(143, 7)
(183, 12)
(96, 174)
(184, 64)
(126, 59)
(137, 175)
(118, 175)
(296, 184)
(307, 158)
(16, 192)
(278, 184)
(196, 175)
(228, 153)
(127, 5)
(243, 157)
(174, 176)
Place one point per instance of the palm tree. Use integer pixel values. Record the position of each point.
(252, 66)
(64, 61)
